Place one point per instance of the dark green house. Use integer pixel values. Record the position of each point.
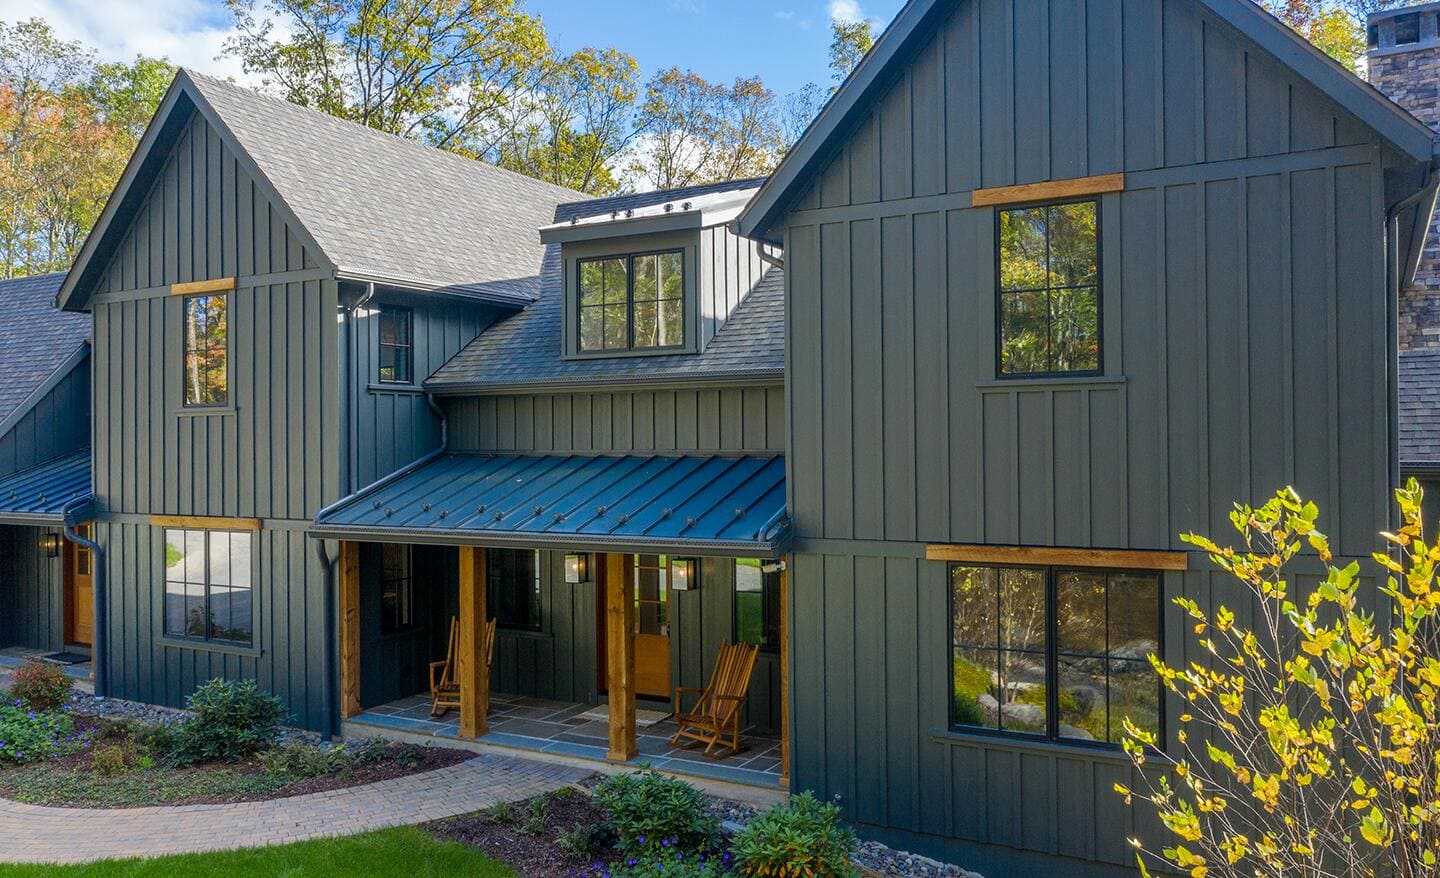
(920, 416)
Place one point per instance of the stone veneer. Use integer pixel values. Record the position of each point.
(1410, 75)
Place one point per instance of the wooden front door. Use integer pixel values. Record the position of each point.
(79, 591)
(650, 590)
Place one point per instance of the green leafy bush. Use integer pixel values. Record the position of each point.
(672, 862)
(307, 760)
(500, 812)
(537, 815)
(653, 813)
(230, 721)
(585, 839)
(800, 838)
(113, 759)
(41, 685)
(29, 736)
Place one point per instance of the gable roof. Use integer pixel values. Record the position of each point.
(38, 343)
(526, 349)
(914, 23)
(1420, 410)
(374, 206)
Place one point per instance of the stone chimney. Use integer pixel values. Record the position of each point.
(1404, 63)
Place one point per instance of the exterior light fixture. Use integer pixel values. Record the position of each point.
(50, 544)
(682, 574)
(577, 568)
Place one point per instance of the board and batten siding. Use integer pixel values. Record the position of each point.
(272, 454)
(393, 424)
(31, 590)
(729, 269)
(738, 419)
(57, 425)
(1244, 349)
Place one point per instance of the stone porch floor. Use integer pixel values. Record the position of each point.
(12, 657)
(559, 728)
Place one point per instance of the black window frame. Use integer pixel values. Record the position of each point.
(1052, 654)
(208, 580)
(1412, 33)
(630, 347)
(408, 321)
(403, 619)
(769, 592)
(186, 351)
(1000, 291)
(492, 581)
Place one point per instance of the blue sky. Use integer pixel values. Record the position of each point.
(783, 41)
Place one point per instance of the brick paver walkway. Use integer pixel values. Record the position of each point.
(31, 833)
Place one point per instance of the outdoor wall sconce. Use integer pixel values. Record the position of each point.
(50, 545)
(682, 574)
(577, 568)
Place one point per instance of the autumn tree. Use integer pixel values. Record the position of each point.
(849, 41)
(1309, 724)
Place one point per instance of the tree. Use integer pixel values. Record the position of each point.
(849, 41)
(1335, 28)
(449, 72)
(1309, 739)
(67, 127)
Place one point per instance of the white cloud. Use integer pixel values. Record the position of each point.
(188, 32)
(790, 16)
(846, 11)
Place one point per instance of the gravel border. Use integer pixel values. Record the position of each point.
(154, 714)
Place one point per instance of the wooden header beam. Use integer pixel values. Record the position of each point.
(205, 522)
(1051, 191)
(1114, 559)
(195, 287)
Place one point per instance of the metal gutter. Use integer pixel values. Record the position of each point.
(411, 285)
(78, 511)
(581, 542)
(602, 383)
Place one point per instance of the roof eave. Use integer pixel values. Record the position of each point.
(738, 378)
(566, 233)
(769, 549)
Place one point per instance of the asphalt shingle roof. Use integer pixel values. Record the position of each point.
(1420, 408)
(35, 337)
(391, 209)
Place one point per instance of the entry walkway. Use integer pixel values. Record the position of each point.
(35, 834)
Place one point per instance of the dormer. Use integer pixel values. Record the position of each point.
(645, 277)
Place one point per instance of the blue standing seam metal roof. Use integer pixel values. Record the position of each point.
(722, 505)
(39, 494)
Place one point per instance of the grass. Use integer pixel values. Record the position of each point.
(44, 784)
(406, 851)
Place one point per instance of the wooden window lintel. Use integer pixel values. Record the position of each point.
(1049, 191)
(1113, 559)
(205, 522)
(213, 285)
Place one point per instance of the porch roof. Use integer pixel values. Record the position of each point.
(39, 494)
(706, 504)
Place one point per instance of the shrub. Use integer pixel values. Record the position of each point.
(585, 839)
(537, 815)
(113, 759)
(229, 721)
(29, 736)
(653, 813)
(307, 760)
(671, 862)
(41, 685)
(500, 812)
(801, 837)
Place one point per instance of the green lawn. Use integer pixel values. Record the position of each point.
(406, 851)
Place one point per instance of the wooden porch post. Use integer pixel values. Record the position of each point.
(349, 629)
(470, 661)
(785, 676)
(620, 656)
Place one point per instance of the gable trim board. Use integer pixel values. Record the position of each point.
(914, 23)
(181, 101)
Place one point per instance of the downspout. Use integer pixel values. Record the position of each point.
(328, 687)
(1393, 274)
(769, 258)
(99, 661)
(352, 460)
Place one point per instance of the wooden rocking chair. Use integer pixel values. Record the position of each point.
(716, 714)
(444, 688)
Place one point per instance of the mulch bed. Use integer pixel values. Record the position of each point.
(400, 760)
(532, 856)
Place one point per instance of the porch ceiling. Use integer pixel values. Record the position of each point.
(716, 505)
(38, 495)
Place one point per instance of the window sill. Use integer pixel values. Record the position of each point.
(1022, 382)
(210, 646)
(200, 411)
(397, 387)
(679, 350)
(1098, 751)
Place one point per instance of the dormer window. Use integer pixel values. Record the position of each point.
(633, 302)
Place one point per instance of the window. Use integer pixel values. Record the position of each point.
(514, 587)
(1060, 654)
(1049, 290)
(652, 594)
(632, 302)
(396, 346)
(397, 588)
(206, 342)
(757, 605)
(207, 585)
(1407, 29)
